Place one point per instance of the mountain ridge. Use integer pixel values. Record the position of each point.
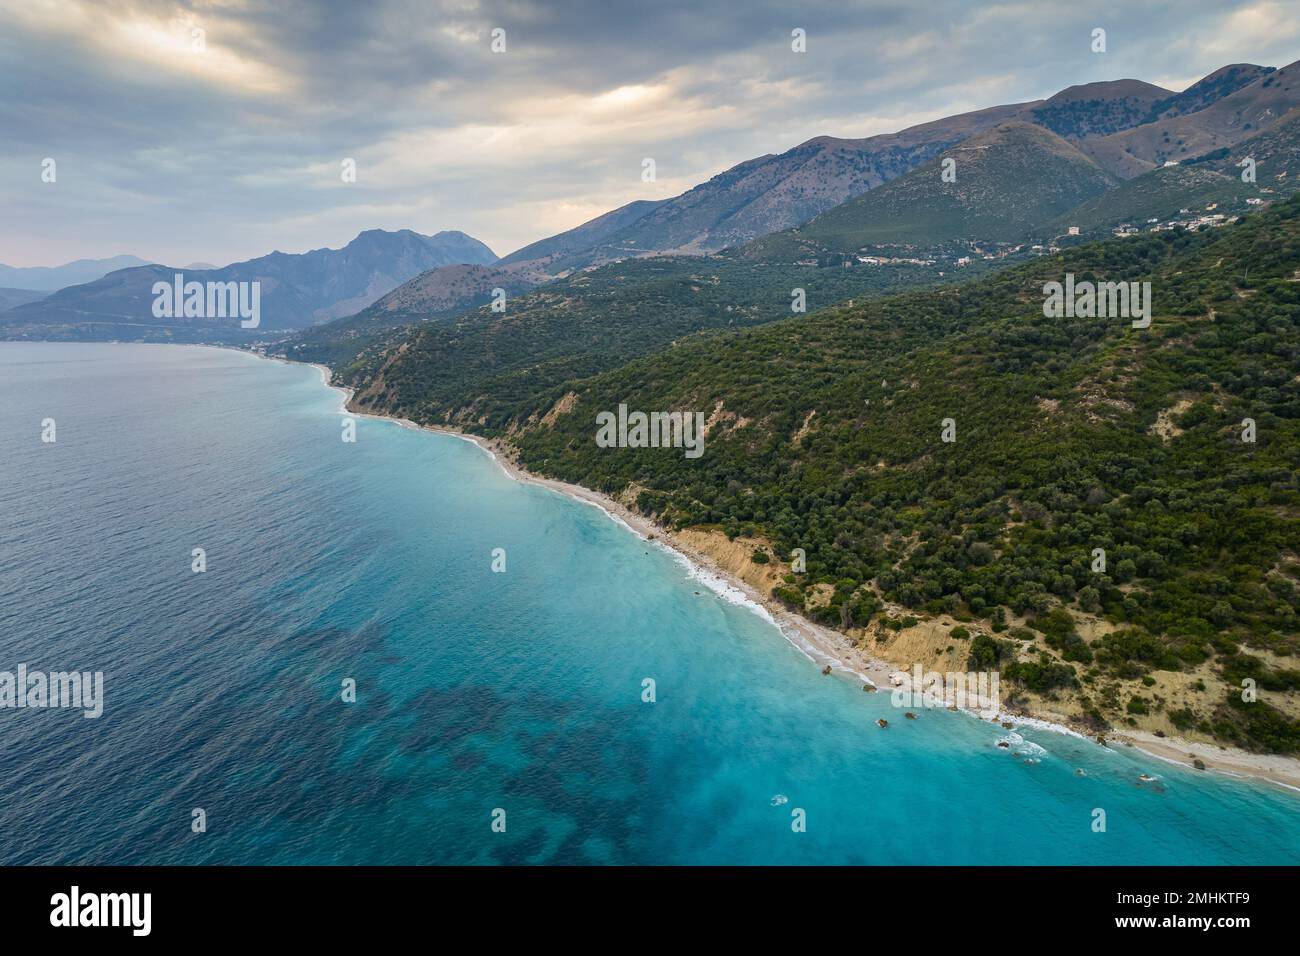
(53, 278)
(1224, 122)
(757, 191)
(994, 187)
(298, 289)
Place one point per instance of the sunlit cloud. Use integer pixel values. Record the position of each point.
(183, 46)
(178, 150)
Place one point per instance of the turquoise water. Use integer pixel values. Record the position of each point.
(475, 690)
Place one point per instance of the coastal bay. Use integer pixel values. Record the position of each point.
(476, 690)
(727, 569)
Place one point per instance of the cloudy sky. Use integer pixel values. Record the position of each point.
(177, 146)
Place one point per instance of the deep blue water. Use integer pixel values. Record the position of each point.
(476, 690)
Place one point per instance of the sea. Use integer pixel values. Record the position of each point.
(388, 651)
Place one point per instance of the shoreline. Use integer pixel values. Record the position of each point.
(824, 646)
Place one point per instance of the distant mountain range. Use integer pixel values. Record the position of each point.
(1022, 166)
(1028, 177)
(1021, 169)
(1003, 183)
(51, 278)
(1221, 122)
(760, 196)
(297, 290)
(22, 284)
(12, 297)
(1126, 127)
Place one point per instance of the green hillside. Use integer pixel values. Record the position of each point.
(1276, 152)
(485, 370)
(1008, 181)
(1098, 109)
(437, 295)
(1072, 434)
(1159, 194)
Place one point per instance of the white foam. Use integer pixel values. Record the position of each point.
(719, 586)
(1037, 723)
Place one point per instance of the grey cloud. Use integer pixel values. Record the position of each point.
(179, 166)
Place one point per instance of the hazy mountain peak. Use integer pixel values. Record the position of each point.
(1242, 101)
(1098, 109)
(1110, 90)
(297, 289)
(1007, 179)
(1224, 81)
(49, 278)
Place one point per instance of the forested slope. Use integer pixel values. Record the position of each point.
(1072, 434)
